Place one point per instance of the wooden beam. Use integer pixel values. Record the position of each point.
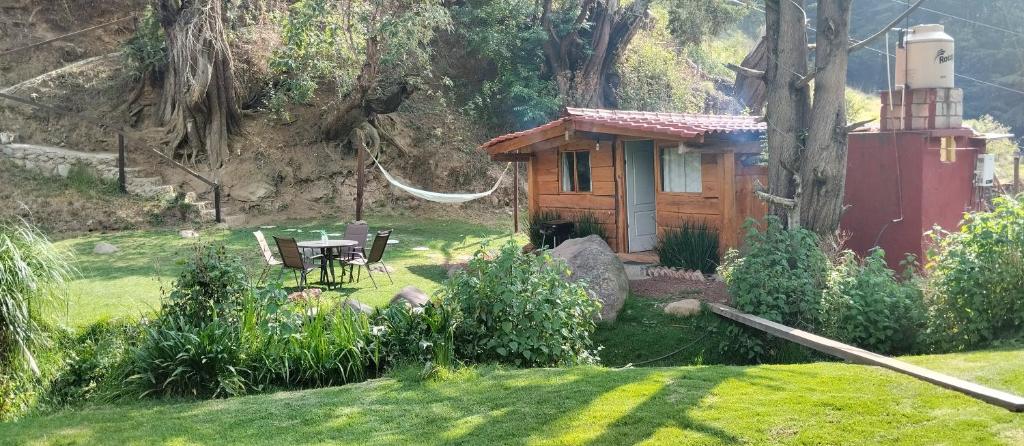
(525, 140)
(512, 157)
(856, 355)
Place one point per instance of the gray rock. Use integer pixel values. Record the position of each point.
(683, 308)
(254, 191)
(188, 233)
(357, 306)
(104, 248)
(412, 296)
(591, 260)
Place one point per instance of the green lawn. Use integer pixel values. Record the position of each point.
(820, 403)
(129, 282)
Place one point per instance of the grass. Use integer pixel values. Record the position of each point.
(129, 282)
(820, 403)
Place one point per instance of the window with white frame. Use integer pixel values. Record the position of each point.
(680, 172)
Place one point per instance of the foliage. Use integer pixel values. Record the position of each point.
(861, 106)
(537, 221)
(93, 361)
(423, 335)
(1003, 149)
(146, 51)
(780, 277)
(212, 284)
(504, 34)
(976, 278)
(694, 246)
(585, 224)
(692, 22)
(33, 276)
(519, 309)
(85, 180)
(655, 77)
(867, 306)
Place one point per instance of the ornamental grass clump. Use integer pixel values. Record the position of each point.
(693, 246)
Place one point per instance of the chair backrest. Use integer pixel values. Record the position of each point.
(357, 231)
(379, 243)
(268, 256)
(290, 255)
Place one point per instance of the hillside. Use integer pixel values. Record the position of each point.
(823, 403)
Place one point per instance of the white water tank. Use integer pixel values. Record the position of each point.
(926, 58)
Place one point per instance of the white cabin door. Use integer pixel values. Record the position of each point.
(640, 210)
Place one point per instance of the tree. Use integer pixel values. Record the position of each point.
(198, 105)
(807, 140)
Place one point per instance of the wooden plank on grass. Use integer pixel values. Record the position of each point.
(856, 355)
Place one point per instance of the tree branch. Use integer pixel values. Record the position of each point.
(745, 72)
(857, 125)
(804, 81)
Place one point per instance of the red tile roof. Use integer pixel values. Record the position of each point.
(681, 125)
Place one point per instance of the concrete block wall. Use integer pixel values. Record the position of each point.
(925, 108)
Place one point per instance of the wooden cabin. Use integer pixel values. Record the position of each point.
(641, 173)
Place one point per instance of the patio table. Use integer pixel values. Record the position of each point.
(327, 249)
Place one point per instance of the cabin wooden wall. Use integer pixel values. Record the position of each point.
(546, 191)
(747, 205)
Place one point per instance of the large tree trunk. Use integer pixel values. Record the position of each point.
(582, 60)
(823, 170)
(787, 104)
(198, 105)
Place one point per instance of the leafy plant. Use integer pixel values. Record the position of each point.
(33, 275)
(976, 278)
(85, 180)
(536, 223)
(423, 335)
(93, 360)
(867, 306)
(519, 309)
(585, 224)
(212, 283)
(780, 276)
(693, 246)
(145, 53)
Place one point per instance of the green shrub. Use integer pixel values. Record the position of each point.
(421, 335)
(145, 53)
(586, 224)
(85, 180)
(519, 309)
(780, 277)
(93, 361)
(694, 246)
(177, 358)
(211, 284)
(537, 220)
(867, 306)
(976, 279)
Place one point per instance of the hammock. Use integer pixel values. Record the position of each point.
(437, 196)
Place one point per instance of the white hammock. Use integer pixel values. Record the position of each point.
(437, 196)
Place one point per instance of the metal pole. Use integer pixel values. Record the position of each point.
(216, 203)
(122, 182)
(515, 198)
(360, 179)
(1016, 173)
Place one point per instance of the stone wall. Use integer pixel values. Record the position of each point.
(58, 161)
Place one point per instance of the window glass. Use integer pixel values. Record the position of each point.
(568, 168)
(680, 172)
(582, 171)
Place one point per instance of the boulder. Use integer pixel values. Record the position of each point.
(357, 306)
(683, 308)
(412, 296)
(304, 295)
(104, 248)
(591, 260)
(254, 191)
(188, 233)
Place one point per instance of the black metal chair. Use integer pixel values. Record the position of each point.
(291, 258)
(380, 243)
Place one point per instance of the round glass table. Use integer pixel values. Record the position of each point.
(328, 250)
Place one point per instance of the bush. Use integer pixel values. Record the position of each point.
(694, 246)
(145, 53)
(867, 306)
(537, 220)
(421, 335)
(93, 360)
(212, 284)
(586, 224)
(976, 283)
(780, 277)
(519, 309)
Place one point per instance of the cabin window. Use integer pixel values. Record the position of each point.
(680, 172)
(575, 171)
